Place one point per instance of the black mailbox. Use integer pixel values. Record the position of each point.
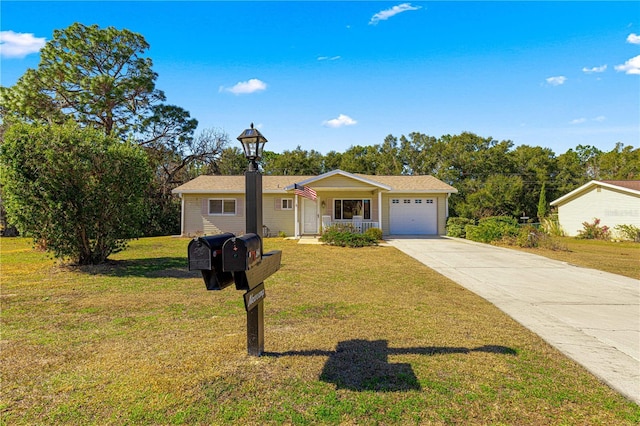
(241, 253)
(205, 254)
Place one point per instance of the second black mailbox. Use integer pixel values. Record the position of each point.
(241, 253)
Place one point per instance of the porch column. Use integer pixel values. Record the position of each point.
(182, 215)
(295, 216)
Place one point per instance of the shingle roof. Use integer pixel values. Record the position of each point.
(235, 184)
(630, 184)
(413, 183)
(208, 183)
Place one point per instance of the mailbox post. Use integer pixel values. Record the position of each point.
(225, 259)
(253, 145)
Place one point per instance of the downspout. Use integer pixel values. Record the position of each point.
(446, 213)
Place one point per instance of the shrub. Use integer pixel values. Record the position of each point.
(456, 226)
(374, 233)
(343, 235)
(628, 232)
(551, 226)
(593, 231)
(529, 237)
(493, 229)
(78, 193)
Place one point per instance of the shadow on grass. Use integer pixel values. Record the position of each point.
(159, 267)
(363, 365)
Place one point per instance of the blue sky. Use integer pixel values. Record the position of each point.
(329, 75)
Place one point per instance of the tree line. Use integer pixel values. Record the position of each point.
(90, 151)
(493, 178)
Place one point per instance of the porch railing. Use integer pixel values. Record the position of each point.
(358, 225)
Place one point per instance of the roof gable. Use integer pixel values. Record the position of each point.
(628, 187)
(330, 178)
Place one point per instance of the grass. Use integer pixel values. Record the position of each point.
(352, 336)
(621, 258)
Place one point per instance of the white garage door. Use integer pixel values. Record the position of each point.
(413, 216)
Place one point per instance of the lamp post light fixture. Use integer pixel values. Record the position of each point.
(253, 145)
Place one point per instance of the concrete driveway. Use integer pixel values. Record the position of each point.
(593, 317)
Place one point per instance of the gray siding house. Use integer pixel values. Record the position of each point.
(398, 205)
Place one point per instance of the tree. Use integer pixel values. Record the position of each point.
(466, 162)
(331, 161)
(498, 195)
(101, 78)
(421, 154)
(621, 163)
(388, 159)
(590, 160)
(543, 207)
(570, 174)
(96, 76)
(359, 159)
(76, 191)
(232, 162)
(297, 162)
(536, 166)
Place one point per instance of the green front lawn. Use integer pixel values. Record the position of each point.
(621, 258)
(352, 336)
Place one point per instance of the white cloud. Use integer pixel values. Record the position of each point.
(341, 121)
(633, 38)
(388, 13)
(244, 87)
(581, 120)
(601, 68)
(632, 66)
(19, 45)
(329, 58)
(556, 81)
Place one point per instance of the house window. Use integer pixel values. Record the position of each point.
(287, 204)
(430, 201)
(222, 206)
(418, 201)
(406, 201)
(346, 209)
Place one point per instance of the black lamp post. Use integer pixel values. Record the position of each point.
(242, 259)
(253, 145)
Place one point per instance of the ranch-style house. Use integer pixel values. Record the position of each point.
(398, 205)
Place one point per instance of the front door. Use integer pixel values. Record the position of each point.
(309, 216)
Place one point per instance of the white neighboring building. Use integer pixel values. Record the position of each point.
(614, 202)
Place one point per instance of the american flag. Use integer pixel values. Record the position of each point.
(305, 191)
